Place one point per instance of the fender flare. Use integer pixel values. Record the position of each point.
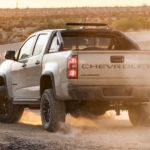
(49, 77)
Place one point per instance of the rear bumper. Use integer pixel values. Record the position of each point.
(109, 93)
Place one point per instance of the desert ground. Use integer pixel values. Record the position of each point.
(105, 132)
(108, 132)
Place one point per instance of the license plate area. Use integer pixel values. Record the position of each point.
(123, 91)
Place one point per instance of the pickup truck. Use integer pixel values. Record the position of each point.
(84, 70)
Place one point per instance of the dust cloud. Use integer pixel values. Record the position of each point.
(33, 118)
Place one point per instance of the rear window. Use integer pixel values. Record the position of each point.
(90, 42)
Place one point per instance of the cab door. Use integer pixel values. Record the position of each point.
(34, 67)
(27, 69)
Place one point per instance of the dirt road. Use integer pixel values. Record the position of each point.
(103, 133)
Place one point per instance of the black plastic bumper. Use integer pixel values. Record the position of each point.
(110, 93)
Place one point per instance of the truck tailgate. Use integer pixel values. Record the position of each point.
(114, 67)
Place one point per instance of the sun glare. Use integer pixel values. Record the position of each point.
(69, 3)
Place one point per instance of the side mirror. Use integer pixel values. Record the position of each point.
(10, 55)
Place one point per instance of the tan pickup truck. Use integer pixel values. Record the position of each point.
(85, 69)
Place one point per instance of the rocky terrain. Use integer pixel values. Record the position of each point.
(103, 133)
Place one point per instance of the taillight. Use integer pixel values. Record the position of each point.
(72, 71)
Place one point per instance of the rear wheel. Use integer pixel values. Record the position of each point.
(52, 111)
(140, 115)
(9, 113)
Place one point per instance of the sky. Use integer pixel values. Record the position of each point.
(69, 3)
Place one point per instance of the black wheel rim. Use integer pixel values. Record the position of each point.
(46, 110)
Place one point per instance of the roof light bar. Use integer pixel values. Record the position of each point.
(86, 24)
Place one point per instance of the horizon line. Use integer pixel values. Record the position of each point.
(128, 6)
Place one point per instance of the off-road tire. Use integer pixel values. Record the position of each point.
(140, 115)
(52, 111)
(10, 113)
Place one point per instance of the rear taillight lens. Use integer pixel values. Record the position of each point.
(72, 71)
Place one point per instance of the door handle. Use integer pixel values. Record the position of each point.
(37, 62)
